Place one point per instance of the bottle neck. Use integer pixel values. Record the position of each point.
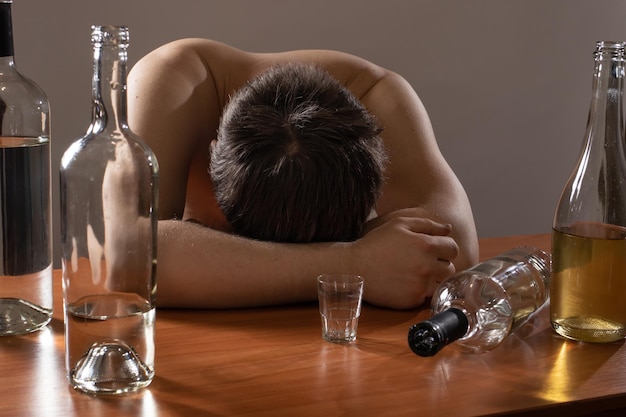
(109, 87)
(7, 63)
(6, 31)
(605, 114)
(542, 262)
(538, 260)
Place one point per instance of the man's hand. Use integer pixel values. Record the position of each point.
(401, 255)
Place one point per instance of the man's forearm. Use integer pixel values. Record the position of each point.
(199, 267)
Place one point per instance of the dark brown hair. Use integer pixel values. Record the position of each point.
(298, 158)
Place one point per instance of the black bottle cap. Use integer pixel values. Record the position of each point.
(430, 336)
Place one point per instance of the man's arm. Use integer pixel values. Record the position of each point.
(418, 175)
(204, 268)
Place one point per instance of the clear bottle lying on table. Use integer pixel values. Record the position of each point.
(108, 235)
(589, 231)
(479, 307)
(25, 190)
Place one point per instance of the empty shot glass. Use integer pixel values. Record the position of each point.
(340, 297)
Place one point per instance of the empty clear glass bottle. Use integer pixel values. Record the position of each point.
(589, 232)
(25, 189)
(108, 236)
(479, 307)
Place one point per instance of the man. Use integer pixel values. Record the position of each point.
(423, 232)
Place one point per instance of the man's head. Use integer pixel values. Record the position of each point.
(297, 159)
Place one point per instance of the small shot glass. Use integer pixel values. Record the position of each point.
(340, 297)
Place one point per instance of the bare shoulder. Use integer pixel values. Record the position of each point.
(199, 61)
(193, 63)
(184, 51)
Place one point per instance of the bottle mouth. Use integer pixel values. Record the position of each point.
(616, 45)
(109, 36)
(425, 340)
(609, 50)
(430, 336)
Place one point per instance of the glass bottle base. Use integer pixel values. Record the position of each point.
(110, 368)
(589, 329)
(20, 316)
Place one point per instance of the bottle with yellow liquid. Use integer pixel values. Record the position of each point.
(588, 293)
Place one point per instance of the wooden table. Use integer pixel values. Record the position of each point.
(273, 362)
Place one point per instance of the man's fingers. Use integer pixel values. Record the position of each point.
(427, 226)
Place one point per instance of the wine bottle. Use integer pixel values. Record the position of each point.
(108, 236)
(25, 195)
(589, 230)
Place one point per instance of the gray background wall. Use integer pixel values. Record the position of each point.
(506, 83)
